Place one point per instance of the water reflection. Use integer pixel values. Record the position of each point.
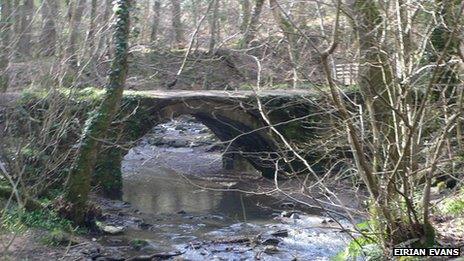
(160, 190)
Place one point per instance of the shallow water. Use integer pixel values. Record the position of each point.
(168, 186)
(159, 190)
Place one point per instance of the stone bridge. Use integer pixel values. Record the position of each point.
(234, 117)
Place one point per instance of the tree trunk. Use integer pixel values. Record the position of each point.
(5, 43)
(79, 182)
(91, 52)
(75, 24)
(213, 26)
(290, 33)
(445, 42)
(177, 23)
(390, 144)
(250, 32)
(25, 30)
(16, 15)
(48, 35)
(156, 21)
(302, 13)
(246, 15)
(104, 36)
(375, 77)
(92, 26)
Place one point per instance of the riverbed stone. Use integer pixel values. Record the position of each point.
(280, 233)
(112, 230)
(145, 226)
(271, 250)
(178, 143)
(288, 205)
(109, 258)
(271, 241)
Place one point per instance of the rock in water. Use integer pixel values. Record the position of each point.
(271, 250)
(285, 214)
(112, 230)
(280, 233)
(271, 242)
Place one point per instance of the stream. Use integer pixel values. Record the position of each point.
(180, 199)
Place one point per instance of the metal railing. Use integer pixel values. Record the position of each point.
(346, 73)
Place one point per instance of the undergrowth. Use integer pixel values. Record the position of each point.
(453, 206)
(18, 220)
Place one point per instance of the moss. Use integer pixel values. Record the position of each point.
(81, 103)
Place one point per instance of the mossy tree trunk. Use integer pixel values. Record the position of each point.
(80, 176)
(375, 77)
(108, 175)
(92, 31)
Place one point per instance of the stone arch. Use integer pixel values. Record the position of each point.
(231, 120)
(245, 132)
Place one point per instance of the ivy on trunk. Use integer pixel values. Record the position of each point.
(80, 176)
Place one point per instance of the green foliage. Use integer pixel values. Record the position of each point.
(366, 245)
(362, 246)
(51, 195)
(453, 206)
(15, 219)
(138, 244)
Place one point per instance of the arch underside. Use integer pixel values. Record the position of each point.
(240, 130)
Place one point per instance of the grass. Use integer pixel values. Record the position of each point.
(57, 231)
(52, 229)
(453, 206)
(19, 220)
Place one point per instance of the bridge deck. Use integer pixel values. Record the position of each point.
(8, 98)
(220, 94)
